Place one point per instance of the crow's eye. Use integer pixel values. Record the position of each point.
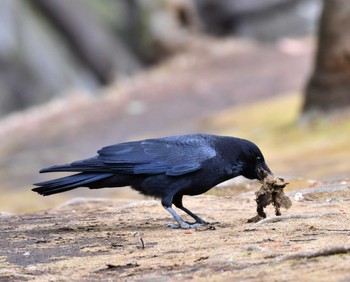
(258, 159)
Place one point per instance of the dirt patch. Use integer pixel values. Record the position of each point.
(95, 240)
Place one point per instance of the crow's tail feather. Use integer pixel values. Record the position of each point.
(67, 183)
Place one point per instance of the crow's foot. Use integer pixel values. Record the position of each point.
(185, 225)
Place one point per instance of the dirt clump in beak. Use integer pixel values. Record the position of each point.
(271, 192)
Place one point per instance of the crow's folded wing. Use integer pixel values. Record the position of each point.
(171, 156)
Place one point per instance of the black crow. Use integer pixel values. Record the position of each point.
(167, 168)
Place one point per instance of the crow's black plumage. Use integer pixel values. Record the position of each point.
(167, 168)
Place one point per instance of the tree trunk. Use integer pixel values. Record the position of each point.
(328, 89)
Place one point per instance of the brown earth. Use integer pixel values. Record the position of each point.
(94, 240)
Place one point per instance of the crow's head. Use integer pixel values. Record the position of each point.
(254, 162)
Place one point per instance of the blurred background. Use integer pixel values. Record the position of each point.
(76, 75)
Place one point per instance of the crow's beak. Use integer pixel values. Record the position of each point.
(262, 171)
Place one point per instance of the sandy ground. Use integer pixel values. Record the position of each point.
(95, 241)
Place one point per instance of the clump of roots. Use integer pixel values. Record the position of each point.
(271, 192)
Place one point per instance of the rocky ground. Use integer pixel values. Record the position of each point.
(100, 240)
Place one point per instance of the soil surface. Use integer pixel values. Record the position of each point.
(100, 240)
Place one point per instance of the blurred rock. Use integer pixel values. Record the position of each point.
(152, 30)
(47, 47)
(35, 64)
(263, 20)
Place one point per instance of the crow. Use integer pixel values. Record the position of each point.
(167, 168)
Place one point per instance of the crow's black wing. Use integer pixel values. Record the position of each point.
(176, 155)
(171, 155)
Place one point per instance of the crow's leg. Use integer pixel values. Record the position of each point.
(177, 201)
(167, 203)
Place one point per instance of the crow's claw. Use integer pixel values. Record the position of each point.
(185, 225)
